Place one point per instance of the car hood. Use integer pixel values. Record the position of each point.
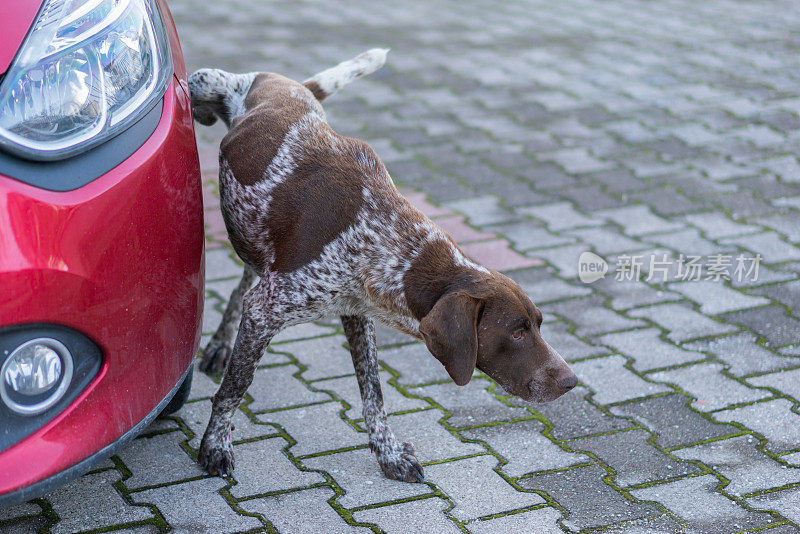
(17, 18)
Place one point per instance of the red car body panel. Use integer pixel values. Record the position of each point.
(17, 17)
(121, 261)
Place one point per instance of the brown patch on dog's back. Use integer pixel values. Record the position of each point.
(256, 135)
(319, 201)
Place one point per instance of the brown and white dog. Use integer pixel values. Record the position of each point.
(316, 217)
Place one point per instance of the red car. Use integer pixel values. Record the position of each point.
(101, 234)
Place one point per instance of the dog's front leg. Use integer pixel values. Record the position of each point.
(218, 350)
(396, 460)
(258, 327)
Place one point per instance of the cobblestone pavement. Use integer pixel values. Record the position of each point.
(534, 131)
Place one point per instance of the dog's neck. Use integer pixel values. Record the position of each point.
(434, 274)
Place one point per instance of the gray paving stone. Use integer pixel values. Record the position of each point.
(786, 502)
(571, 415)
(626, 294)
(526, 235)
(711, 389)
(539, 520)
(316, 428)
(694, 499)
(589, 501)
(658, 525)
(524, 447)
(220, 264)
(25, 525)
(432, 441)
(647, 350)
(542, 286)
(673, 423)
(179, 504)
(576, 160)
(481, 211)
(785, 223)
(158, 460)
(426, 515)
(612, 382)
(606, 241)
(358, 474)
(564, 259)
(289, 512)
(202, 386)
(324, 357)
(638, 220)
(769, 245)
(571, 348)
(195, 416)
(715, 225)
(469, 405)
(591, 318)
(458, 481)
(559, 216)
(715, 298)
(771, 322)
(301, 331)
(589, 198)
(415, 364)
(787, 382)
(681, 322)
(786, 167)
(275, 388)
(255, 458)
(19, 510)
(773, 419)
(92, 502)
(787, 294)
(346, 388)
(738, 460)
(212, 316)
(743, 355)
(617, 450)
(687, 242)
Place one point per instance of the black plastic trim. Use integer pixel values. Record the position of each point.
(75, 172)
(44, 486)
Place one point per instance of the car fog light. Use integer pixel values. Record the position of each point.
(35, 376)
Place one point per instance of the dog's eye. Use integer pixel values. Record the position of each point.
(518, 334)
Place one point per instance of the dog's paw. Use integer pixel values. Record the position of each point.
(401, 464)
(215, 357)
(215, 459)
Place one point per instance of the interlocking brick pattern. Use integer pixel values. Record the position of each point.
(534, 131)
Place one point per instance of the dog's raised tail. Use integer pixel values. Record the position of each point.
(327, 82)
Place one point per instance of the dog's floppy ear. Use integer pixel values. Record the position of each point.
(450, 331)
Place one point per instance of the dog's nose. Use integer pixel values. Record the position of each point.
(567, 381)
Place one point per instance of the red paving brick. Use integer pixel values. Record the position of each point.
(460, 231)
(418, 200)
(498, 255)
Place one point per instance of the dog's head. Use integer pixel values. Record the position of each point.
(494, 326)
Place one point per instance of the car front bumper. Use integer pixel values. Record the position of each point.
(119, 260)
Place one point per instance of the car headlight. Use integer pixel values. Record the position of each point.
(87, 70)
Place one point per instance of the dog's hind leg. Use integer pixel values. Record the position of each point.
(218, 351)
(259, 325)
(396, 460)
